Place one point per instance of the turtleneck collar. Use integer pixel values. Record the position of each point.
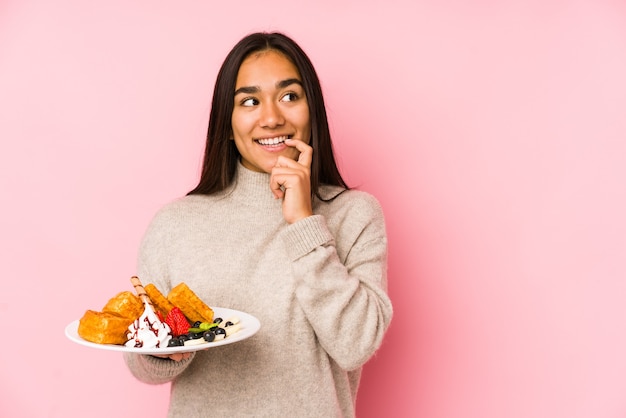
(252, 188)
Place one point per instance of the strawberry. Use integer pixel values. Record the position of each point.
(177, 322)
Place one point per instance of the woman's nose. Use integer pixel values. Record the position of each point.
(271, 116)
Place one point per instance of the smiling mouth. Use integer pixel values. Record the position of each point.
(272, 141)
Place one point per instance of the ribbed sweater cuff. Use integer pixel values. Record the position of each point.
(164, 368)
(304, 236)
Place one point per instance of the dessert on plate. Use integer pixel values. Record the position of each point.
(151, 320)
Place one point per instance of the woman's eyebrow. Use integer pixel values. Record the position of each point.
(286, 83)
(280, 85)
(247, 90)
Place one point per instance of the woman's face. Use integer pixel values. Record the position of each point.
(270, 105)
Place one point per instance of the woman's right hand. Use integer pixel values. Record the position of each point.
(291, 181)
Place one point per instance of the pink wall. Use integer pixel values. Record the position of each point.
(494, 136)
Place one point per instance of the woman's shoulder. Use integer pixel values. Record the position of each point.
(351, 199)
(329, 193)
(181, 207)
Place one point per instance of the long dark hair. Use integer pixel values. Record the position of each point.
(221, 155)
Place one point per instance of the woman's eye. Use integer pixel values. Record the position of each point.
(290, 97)
(249, 102)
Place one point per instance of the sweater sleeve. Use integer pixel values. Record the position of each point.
(343, 293)
(155, 370)
(153, 268)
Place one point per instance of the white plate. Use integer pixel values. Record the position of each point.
(249, 326)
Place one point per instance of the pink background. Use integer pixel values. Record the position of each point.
(493, 133)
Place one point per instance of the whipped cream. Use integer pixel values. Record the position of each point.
(148, 331)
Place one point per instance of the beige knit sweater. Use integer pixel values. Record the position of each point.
(318, 287)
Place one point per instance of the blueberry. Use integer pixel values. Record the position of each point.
(209, 336)
(174, 342)
(228, 323)
(183, 337)
(220, 331)
(217, 320)
(197, 324)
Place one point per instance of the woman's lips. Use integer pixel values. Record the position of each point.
(275, 141)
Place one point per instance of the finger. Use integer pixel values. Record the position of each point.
(180, 356)
(176, 356)
(278, 188)
(306, 151)
(283, 163)
(286, 176)
(161, 355)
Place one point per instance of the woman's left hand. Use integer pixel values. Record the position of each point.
(174, 356)
(290, 180)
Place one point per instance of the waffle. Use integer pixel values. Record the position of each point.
(110, 325)
(190, 304)
(160, 302)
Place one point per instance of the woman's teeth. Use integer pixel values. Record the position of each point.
(272, 141)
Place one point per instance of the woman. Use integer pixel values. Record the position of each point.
(271, 229)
